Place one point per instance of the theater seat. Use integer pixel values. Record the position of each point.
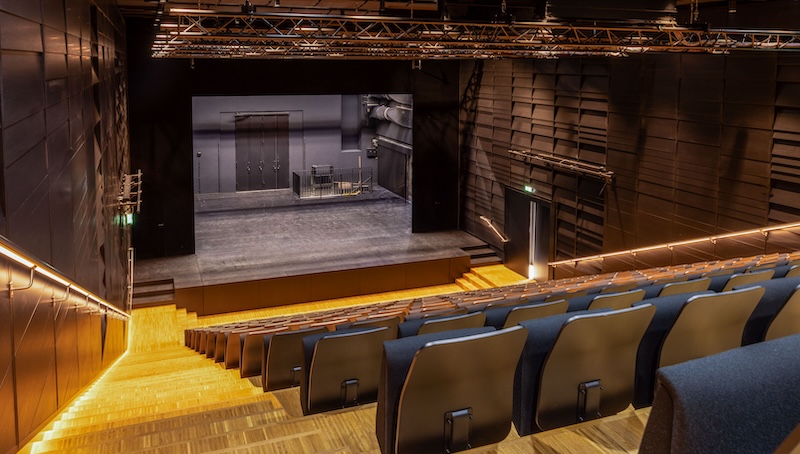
(436, 324)
(787, 322)
(709, 324)
(741, 401)
(283, 357)
(530, 312)
(342, 369)
(667, 310)
(776, 294)
(739, 280)
(498, 317)
(577, 366)
(448, 391)
(616, 300)
(693, 286)
(389, 322)
(619, 288)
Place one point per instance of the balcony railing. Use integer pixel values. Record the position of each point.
(325, 181)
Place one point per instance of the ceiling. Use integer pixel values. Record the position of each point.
(416, 30)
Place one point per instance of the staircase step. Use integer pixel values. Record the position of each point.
(488, 260)
(482, 252)
(498, 275)
(66, 431)
(150, 288)
(465, 284)
(477, 281)
(137, 435)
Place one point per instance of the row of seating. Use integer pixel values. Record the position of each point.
(594, 359)
(243, 351)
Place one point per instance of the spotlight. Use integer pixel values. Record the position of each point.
(248, 8)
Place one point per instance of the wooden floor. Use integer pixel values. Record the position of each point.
(161, 397)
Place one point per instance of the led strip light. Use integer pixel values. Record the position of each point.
(764, 231)
(34, 267)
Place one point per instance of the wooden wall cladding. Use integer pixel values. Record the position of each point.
(690, 145)
(53, 345)
(64, 147)
(784, 203)
(700, 145)
(546, 106)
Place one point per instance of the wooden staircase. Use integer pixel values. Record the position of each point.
(482, 255)
(488, 276)
(148, 293)
(161, 397)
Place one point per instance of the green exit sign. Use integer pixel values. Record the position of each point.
(529, 189)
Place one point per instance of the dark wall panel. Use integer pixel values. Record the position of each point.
(63, 150)
(34, 353)
(699, 144)
(546, 106)
(67, 349)
(8, 420)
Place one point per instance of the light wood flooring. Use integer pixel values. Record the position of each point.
(161, 397)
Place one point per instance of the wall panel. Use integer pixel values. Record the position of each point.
(699, 144)
(63, 150)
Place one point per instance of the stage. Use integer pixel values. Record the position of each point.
(336, 247)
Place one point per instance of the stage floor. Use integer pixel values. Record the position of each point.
(268, 234)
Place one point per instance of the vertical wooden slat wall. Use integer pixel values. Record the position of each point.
(700, 145)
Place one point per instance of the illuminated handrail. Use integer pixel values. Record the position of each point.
(713, 239)
(494, 229)
(13, 253)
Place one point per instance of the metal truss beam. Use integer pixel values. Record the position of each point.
(210, 34)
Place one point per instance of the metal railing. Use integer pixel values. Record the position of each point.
(15, 254)
(332, 182)
(774, 238)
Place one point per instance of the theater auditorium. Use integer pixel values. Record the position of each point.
(399, 226)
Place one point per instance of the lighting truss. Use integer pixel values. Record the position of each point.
(187, 33)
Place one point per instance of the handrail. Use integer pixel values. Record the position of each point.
(713, 239)
(15, 254)
(494, 229)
